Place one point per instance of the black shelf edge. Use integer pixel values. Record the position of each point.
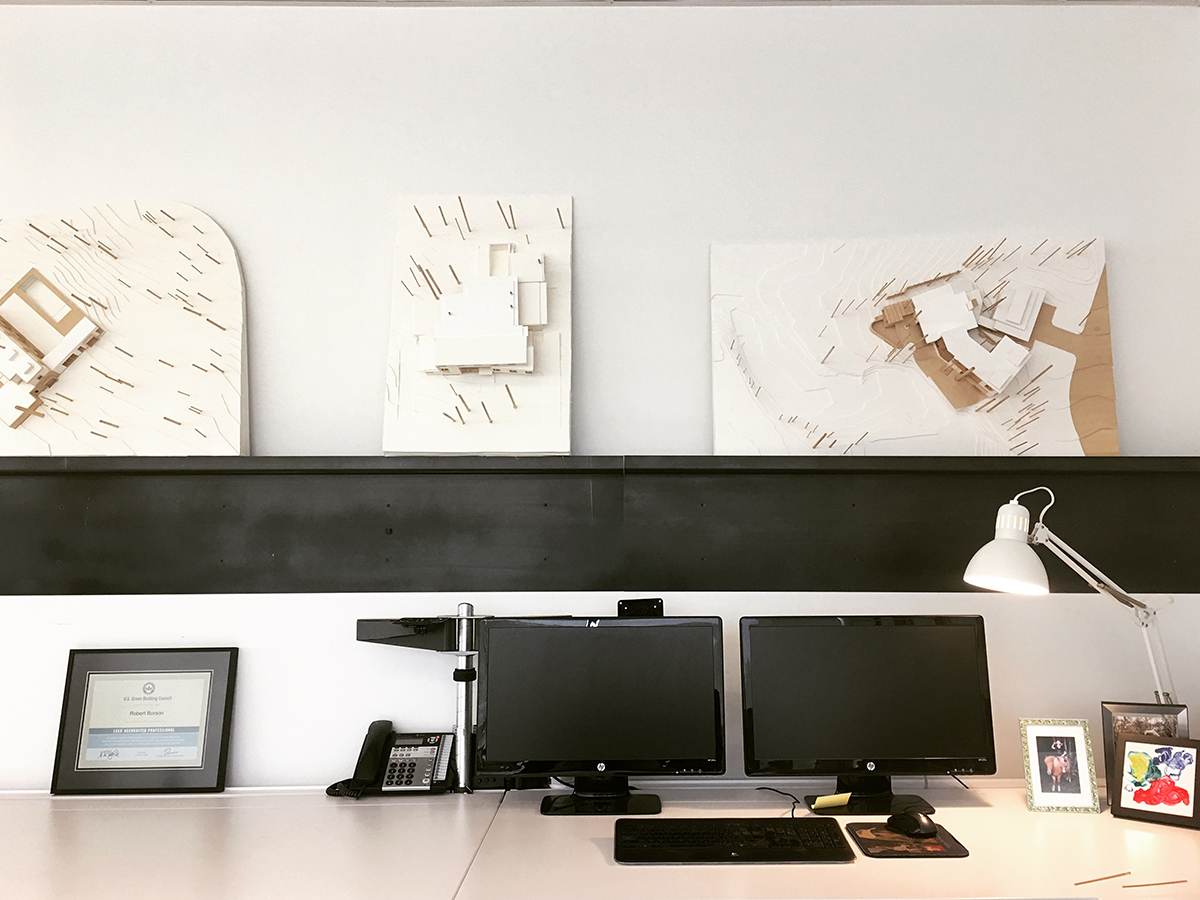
(192, 525)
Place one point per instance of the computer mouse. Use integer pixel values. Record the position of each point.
(913, 823)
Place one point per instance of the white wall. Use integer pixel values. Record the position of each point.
(297, 128)
(306, 685)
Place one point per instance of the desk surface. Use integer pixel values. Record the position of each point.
(302, 845)
(1013, 853)
(257, 845)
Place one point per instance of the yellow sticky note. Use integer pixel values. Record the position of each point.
(831, 800)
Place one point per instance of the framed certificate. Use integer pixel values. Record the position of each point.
(144, 721)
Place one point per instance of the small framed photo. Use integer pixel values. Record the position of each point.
(1158, 720)
(145, 721)
(1060, 774)
(1157, 780)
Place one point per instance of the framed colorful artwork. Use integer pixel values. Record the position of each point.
(1156, 720)
(1158, 780)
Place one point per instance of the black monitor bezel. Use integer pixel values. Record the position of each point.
(606, 767)
(865, 766)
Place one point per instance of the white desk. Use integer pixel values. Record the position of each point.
(1014, 853)
(258, 845)
(302, 845)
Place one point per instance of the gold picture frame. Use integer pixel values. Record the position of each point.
(1060, 771)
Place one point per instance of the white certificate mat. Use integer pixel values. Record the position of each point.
(144, 720)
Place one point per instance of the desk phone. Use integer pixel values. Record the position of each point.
(398, 763)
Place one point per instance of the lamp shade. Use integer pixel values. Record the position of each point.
(1008, 563)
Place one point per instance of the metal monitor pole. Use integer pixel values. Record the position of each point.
(445, 634)
(464, 676)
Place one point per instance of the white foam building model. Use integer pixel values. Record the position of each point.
(1016, 313)
(484, 327)
(41, 333)
(479, 355)
(949, 312)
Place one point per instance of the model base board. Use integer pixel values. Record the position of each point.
(121, 334)
(479, 357)
(958, 346)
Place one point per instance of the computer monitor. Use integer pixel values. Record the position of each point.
(865, 698)
(600, 699)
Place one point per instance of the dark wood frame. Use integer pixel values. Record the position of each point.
(1192, 821)
(1109, 733)
(221, 661)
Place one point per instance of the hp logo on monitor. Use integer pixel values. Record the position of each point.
(600, 767)
(870, 767)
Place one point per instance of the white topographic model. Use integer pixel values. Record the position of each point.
(121, 333)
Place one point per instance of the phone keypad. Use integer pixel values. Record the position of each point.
(410, 768)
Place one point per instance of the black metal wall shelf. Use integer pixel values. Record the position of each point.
(272, 524)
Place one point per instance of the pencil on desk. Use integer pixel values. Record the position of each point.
(1156, 883)
(1104, 878)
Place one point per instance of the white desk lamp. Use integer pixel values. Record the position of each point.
(1008, 563)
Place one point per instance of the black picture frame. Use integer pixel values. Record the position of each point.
(191, 746)
(1164, 720)
(1163, 810)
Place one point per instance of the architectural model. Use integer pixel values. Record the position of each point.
(121, 333)
(955, 346)
(41, 333)
(479, 354)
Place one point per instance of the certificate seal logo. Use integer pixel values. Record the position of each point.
(148, 687)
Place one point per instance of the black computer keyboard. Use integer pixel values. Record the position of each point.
(756, 840)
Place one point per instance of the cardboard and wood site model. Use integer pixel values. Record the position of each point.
(999, 346)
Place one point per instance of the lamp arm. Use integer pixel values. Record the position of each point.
(1160, 695)
(1101, 583)
(1096, 579)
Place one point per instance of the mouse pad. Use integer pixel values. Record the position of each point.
(876, 839)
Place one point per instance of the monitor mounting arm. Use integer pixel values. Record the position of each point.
(450, 635)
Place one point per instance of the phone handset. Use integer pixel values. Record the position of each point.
(366, 770)
(398, 763)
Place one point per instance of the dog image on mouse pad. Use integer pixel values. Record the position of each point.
(878, 840)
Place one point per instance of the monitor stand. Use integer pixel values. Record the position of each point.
(870, 795)
(601, 795)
